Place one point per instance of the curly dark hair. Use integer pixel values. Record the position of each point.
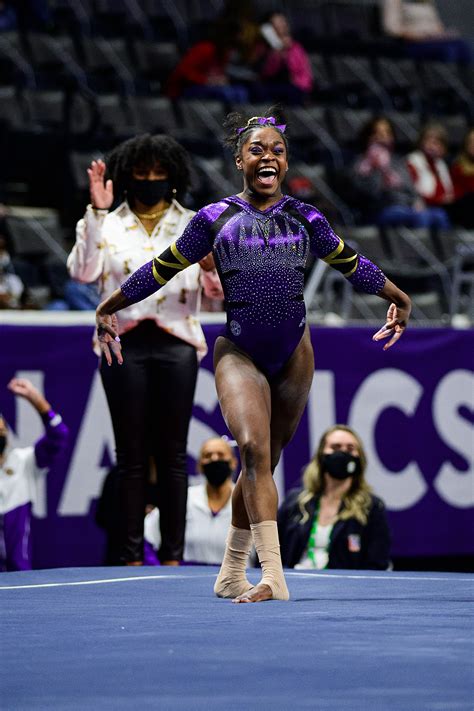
(145, 152)
(235, 120)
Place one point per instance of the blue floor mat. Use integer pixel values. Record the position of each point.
(157, 638)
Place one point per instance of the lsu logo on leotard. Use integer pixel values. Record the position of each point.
(235, 328)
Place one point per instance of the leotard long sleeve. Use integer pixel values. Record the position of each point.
(260, 257)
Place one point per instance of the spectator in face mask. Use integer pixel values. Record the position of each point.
(208, 512)
(150, 394)
(335, 521)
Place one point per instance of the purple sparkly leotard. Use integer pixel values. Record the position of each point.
(260, 257)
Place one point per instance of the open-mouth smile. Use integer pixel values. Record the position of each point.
(267, 175)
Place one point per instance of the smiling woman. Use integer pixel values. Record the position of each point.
(263, 362)
(264, 156)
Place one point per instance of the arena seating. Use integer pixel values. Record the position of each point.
(97, 73)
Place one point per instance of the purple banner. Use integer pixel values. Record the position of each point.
(412, 406)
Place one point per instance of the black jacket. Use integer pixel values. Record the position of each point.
(373, 539)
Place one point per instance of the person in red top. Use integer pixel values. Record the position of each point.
(428, 167)
(462, 174)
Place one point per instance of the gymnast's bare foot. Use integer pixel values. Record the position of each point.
(259, 593)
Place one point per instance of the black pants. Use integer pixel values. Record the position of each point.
(150, 398)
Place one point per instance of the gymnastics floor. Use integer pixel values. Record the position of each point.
(157, 638)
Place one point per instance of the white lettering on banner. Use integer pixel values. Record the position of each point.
(321, 407)
(85, 474)
(381, 390)
(387, 388)
(29, 429)
(454, 390)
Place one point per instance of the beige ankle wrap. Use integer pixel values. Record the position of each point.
(267, 545)
(232, 580)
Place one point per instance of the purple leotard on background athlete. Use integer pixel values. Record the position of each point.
(260, 256)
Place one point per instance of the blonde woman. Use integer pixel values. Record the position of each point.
(335, 521)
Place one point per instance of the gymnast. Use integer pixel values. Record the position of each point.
(263, 362)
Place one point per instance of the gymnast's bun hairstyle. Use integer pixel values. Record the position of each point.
(239, 126)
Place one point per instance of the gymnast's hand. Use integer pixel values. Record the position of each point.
(107, 335)
(107, 325)
(397, 319)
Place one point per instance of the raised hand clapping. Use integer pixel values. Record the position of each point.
(102, 194)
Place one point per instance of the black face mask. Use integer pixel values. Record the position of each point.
(149, 192)
(3, 443)
(340, 465)
(217, 472)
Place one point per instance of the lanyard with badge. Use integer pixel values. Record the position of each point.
(312, 539)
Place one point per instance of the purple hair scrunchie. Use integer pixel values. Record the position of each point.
(263, 121)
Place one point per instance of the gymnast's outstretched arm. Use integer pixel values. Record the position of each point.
(191, 247)
(363, 274)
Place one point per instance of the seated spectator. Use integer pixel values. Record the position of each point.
(204, 71)
(76, 297)
(418, 25)
(11, 286)
(462, 174)
(20, 472)
(208, 511)
(383, 183)
(428, 167)
(335, 521)
(44, 278)
(285, 69)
